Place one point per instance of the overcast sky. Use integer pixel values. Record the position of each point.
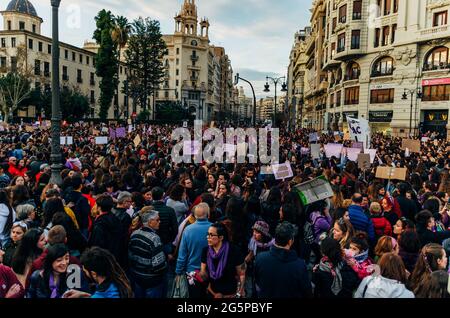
(257, 34)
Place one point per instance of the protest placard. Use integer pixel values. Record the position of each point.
(314, 190)
(411, 144)
(101, 140)
(359, 130)
(391, 173)
(358, 144)
(352, 153)
(313, 137)
(372, 153)
(137, 140)
(315, 151)
(266, 170)
(104, 129)
(121, 132)
(364, 161)
(112, 133)
(333, 150)
(425, 139)
(282, 171)
(185, 124)
(305, 151)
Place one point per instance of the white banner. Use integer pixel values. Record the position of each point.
(282, 171)
(359, 130)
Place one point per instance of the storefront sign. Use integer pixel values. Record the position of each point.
(382, 86)
(436, 81)
(350, 114)
(380, 116)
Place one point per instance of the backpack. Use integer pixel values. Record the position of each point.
(308, 233)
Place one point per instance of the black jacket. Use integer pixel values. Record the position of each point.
(323, 281)
(106, 232)
(270, 212)
(82, 209)
(125, 222)
(408, 207)
(279, 273)
(168, 226)
(426, 236)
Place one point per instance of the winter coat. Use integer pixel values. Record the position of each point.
(7, 280)
(409, 259)
(381, 287)
(270, 212)
(82, 209)
(381, 225)
(168, 225)
(321, 224)
(105, 233)
(280, 273)
(324, 280)
(4, 213)
(360, 221)
(426, 236)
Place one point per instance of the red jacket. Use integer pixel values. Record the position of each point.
(13, 171)
(7, 279)
(381, 226)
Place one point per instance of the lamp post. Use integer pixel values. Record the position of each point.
(236, 81)
(418, 93)
(55, 156)
(275, 81)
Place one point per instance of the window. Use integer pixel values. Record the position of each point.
(396, 6)
(2, 62)
(341, 42)
(37, 67)
(64, 74)
(92, 97)
(13, 64)
(79, 77)
(121, 70)
(73, 56)
(177, 83)
(343, 14)
(30, 44)
(3, 42)
(13, 42)
(333, 28)
(166, 94)
(34, 28)
(87, 60)
(92, 81)
(438, 58)
(377, 37)
(394, 30)
(178, 50)
(178, 61)
(357, 9)
(333, 50)
(47, 69)
(352, 96)
(49, 49)
(331, 100)
(338, 99)
(339, 76)
(378, 8)
(9, 25)
(384, 66)
(436, 93)
(21, 25)
(385, 40)
(81, 59)
(356, 39)
(387, 7)
(440, 18)
(353, 71)
(40, 46)
(382, 96)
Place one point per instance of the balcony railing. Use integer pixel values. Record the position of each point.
(378, 73)
(356, 16)
(436, 98)
(434, 30)
(194, 57)
(435, 67)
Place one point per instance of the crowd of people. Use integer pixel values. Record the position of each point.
(129, 222)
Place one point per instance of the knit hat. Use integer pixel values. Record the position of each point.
(262, 227)
(375, 207)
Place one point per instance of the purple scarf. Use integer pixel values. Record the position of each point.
(53, 287)
(222, 256)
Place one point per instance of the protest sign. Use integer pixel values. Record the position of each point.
(282, 171)
(120, 132)
(305, 151)
(358, 144)
(104, 129)
(425, 139)
(333, 150)
(313, 137)
(137, 140)
(95, 132)
(315, 151)
(411, 144)
(391, 173)
(372, 153)
(363, 161)
(314, 190)
(359, 130)
(101, 140)
(352, 153)
(112, 133)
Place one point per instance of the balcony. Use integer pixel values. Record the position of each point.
(351, 78)
(194, 58)
(380, 74)
(194, 78)
(434, 30)
(434, 67)
(323, 85)
(356, 16)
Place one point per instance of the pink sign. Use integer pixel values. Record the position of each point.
(436, 81)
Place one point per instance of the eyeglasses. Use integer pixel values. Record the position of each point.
(212, 235)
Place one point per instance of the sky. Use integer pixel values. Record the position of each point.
(257, 34)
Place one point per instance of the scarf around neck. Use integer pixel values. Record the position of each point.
(53, 287)
(326, 266)
(222, 255)
(362, 256)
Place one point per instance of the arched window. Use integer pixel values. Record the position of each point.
(437, 59)
(384, 66)
(353, 71)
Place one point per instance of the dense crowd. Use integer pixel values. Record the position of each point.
(129, 222)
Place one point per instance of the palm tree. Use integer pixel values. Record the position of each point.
(119, 35)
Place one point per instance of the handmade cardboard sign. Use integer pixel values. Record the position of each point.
(314, 190)
(391, 173)
(282, 171)
(364, 161)
(411, 144)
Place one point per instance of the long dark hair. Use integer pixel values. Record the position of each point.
(20, 194)
(234, 213)
(332, 250)
(52, 206)
(9, 221)
(104, 264)
(27, 250)
(54, 252)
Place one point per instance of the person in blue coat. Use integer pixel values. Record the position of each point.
(280, 273)
(358, 218)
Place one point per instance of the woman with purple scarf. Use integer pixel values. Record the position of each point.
(223, 265)
(51, 281)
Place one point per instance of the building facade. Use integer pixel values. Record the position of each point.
(386, 61)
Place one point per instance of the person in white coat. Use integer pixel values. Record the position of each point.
(7, 218)
(388, 281)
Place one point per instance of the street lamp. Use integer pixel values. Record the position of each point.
(236, 81)
(418, 93)
(275, 81)
(55, 156)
